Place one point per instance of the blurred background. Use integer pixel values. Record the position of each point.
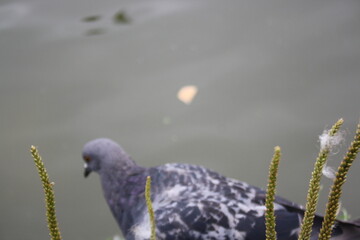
(258, 74)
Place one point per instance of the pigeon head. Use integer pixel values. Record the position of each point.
(104, 155)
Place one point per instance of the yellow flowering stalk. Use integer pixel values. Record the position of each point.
(150, 208)
(335, 193)
(49, 195)
(327, 141)
(270, 195)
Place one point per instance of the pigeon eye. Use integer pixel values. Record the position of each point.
(87, 159)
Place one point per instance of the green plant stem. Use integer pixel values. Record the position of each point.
(336, 189)
(150, 208)
(270, 195)
(49, 195)
(314, 186)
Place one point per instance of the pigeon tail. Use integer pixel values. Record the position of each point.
(346, 230)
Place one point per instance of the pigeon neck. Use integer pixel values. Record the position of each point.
(113, 175)
(122, 188)
(116, 164)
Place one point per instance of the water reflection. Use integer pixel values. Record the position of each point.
(95, 31)
(92, 18)
(120, 17)
(12, 13)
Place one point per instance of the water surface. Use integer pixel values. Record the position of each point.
(267, 72)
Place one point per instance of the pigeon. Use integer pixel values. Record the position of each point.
(191, 202)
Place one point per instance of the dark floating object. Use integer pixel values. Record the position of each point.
(92, 18)
(121, 17)
(95, 31)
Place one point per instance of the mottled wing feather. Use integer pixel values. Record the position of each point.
(192, 202)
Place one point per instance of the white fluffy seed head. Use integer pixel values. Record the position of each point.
(329, 172)
(329, 142)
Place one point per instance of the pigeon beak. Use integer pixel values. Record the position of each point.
(87, 170)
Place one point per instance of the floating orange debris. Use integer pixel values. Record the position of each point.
(187, 93)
